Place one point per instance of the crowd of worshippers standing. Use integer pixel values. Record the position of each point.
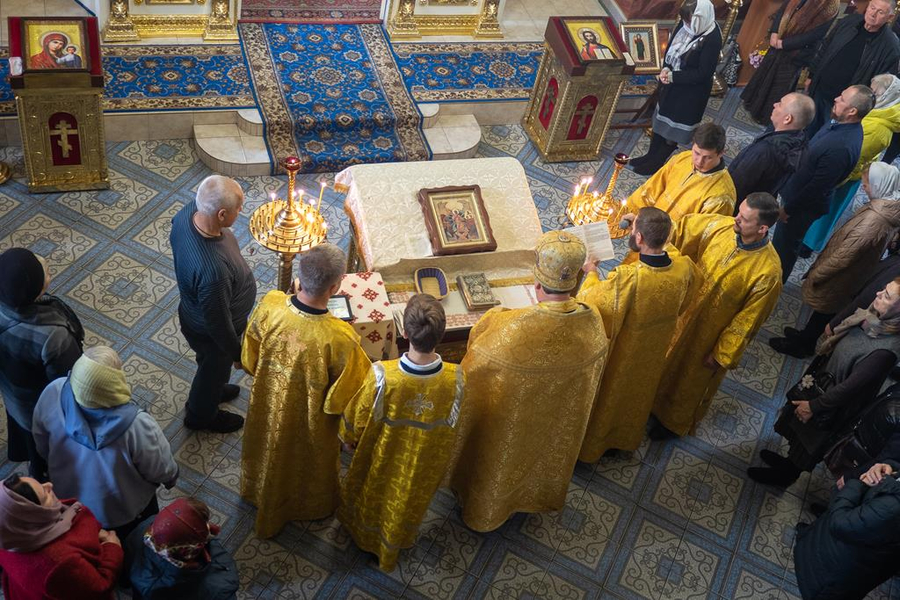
(539, 388)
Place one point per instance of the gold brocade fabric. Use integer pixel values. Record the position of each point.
(679, 190)
(306, 368)
(404, 428)
(640, 306)
(740, 290)
(531, 377)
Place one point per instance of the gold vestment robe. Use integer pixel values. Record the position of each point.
(679, 190)
(640, 306)
(740, 289)
(531, 376)
(306, 368)
(404, 426)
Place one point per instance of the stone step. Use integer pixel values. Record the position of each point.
(228, 150)
(429, 112)
(250, 121)
(454, 136)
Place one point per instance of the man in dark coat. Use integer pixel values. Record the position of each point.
(832, 154)
(852, 548)
(765, 165)
(859, 47)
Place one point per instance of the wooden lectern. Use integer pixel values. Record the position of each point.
(584, 67)
(56, 76)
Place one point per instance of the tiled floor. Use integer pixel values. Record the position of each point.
(674, 520)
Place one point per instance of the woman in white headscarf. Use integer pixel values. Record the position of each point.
(685, 83)
(879, 126)
(849, 259)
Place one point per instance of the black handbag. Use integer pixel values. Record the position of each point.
(814, 383)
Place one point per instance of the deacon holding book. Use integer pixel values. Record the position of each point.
(640, 301)
(306, 364)
(403, 425)
(694, 181)
(532, 374)
(741, 284)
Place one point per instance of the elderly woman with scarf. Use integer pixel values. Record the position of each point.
(51, 548)
(175, 556)
(858, 350)
(685, 83)
(796, 30)
(879, 127)
(851, 257)
(40, 340)
(101, 447)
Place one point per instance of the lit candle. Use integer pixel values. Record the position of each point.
(272, 196)
(619, 214)
(321, 193)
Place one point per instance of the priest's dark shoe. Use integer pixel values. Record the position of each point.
(791, 347)
(659, 433)
(791, 332)
(230, 392)
(773, 459)
(770, 476)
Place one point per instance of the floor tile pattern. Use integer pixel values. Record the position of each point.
(671, 520)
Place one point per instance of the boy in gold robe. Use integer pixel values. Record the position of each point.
(306, 364)
(741, 285)
(640, 304)
(403, 424)
(532, 375)
(694, 181)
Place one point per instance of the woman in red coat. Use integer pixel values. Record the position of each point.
(53, 550)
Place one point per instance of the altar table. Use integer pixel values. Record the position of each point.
(389, 228)
(372, 314)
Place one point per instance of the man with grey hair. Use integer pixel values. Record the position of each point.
(859, 47)
(217, 294)
(765, 165)
(306, 365)
(832, 154)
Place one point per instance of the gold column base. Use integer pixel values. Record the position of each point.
(220, 30)
(719, 87)
(120, 29)
(5, 173)
(285, 270)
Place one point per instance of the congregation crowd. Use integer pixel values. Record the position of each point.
(539, 388)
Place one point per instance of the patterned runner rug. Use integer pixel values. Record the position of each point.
(331, 95)
(460, 72)
(321, 11)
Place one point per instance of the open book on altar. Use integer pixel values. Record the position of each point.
(597, 240)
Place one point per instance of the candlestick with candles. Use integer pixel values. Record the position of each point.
(589, 207)
(289, 226)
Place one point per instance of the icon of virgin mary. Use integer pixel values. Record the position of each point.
(52, 45)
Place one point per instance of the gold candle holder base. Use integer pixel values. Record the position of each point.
(5, 172)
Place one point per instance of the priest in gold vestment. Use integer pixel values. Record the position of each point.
(694, 181)
(403, 425)
(640, 304)
(531, 377)
(306, 364)
(741, 285)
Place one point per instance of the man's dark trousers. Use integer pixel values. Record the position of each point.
(213, 372)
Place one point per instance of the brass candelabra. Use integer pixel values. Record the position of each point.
(289, 226)
(589, 207)
(719, 86)
(5, 172)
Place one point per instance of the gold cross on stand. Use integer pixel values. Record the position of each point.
(548, 101)
(583, 113)
(63, 131)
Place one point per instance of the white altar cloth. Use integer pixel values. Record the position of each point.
(390, 229)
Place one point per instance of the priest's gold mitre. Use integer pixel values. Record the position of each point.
(558, 257)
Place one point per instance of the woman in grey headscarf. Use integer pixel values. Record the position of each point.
(685, 83)
(859, 348)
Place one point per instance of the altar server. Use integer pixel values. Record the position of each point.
(741, 284)
(307, 365)
(694, 181)
(640, 304)
(403, 424)
(532, 375)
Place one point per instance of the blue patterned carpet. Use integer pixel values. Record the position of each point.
(332, 94)
(161, 77)
(448, 72)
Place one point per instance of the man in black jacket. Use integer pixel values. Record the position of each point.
(852, 548)
(764, 165)
(859, 47)
(832, 154)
